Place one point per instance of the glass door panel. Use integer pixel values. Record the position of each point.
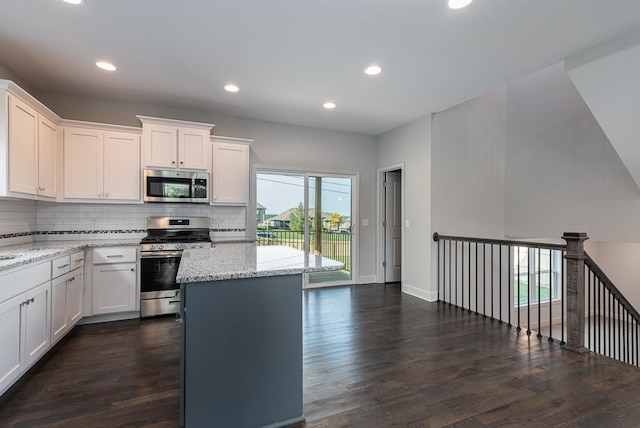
(280, 209)
(330, 202)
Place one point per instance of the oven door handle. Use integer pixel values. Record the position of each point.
(160, 254)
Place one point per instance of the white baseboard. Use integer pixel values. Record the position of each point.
(110, 317)
(367, 279)
(429, 296)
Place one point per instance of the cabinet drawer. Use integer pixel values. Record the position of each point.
(22, 279)
(114, 255)
(77, 260)
(60, 266)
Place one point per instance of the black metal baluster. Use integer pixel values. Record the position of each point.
(469, 277)
(596, 315)
(562, 342)
(500, 283)
(484, 280)
(539, 291)
(438, 268)
(589, 308)
(476, 279)
(551, 288)
(450, 264)
(620, 330)
(518, 285)
(529, 291)
(462, 273)
(455, 264)
(509, 285)
(611, 343)
(492, 295)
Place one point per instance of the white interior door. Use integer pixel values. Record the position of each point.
(392, 225)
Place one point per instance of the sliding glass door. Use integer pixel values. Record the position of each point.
(308, 211)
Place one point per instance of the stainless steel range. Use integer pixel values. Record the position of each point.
(160, 257)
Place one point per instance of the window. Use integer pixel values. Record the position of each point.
(537, 275)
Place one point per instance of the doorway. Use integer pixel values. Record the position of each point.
(390, 230)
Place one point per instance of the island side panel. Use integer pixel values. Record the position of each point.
(243, 352)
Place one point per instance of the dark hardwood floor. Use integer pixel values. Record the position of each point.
(373, 357)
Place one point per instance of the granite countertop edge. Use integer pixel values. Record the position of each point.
(41, 251)
(253, 274)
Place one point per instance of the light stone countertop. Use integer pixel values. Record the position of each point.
(37, 251)
(235, 261)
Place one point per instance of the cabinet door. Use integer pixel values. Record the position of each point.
(75, 298)
(83, 163)
(47, 142)
(36, 327)
(59, 325)
(160, 146)
(10, 340)
(193, 148)
(114, 288)
(122, 166)
(23, 147)
(230, 174)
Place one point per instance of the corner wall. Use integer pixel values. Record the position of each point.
(411, 144)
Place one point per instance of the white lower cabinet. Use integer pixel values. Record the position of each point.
(25, 320)
(66, 295)
(115, 280)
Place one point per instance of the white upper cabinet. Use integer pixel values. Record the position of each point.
(28, 160)
(102, 166)
(230, 171)
(175, 144)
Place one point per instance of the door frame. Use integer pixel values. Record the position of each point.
(380, 216)
(308, 172)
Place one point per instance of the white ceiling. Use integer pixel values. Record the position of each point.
(290, 56)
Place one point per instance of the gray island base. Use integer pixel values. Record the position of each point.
(241, 360)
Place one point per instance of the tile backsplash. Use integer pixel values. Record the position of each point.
(25, 221)
(17, 221)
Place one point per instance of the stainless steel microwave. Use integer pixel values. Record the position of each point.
(176, 186)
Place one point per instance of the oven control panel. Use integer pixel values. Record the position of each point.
(175, 246)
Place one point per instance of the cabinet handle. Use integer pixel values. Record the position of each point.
(63, 266)
(79, 260)
(115, 270)
(181, 162)
(173, 162)
(100, 194)
(31, 300)
(115, 255)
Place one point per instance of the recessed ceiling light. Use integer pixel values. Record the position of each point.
(231, 88)
(73, 1)
(373, 70)
(329, 105)
(459, 4)
(106, 66)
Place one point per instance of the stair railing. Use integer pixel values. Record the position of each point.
(556, 290)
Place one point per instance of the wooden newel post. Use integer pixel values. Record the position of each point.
(575, 291)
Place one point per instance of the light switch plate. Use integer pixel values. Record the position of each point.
(365, 222)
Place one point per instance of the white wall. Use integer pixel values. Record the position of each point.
(275, 145)
(562, 173)
(619, 261)
(468, 168)
(411, 144)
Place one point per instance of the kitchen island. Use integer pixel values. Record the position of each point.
(241, 360)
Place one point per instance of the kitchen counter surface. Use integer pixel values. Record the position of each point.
(18, 255)
(235, 261)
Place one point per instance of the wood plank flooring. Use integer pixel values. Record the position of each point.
(373, 357)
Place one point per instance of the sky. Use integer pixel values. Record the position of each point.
(278, 193)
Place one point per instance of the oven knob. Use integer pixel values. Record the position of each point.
(161, 247)
(152, 247)
(193, 245)
(177, 246)
(201, 245)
